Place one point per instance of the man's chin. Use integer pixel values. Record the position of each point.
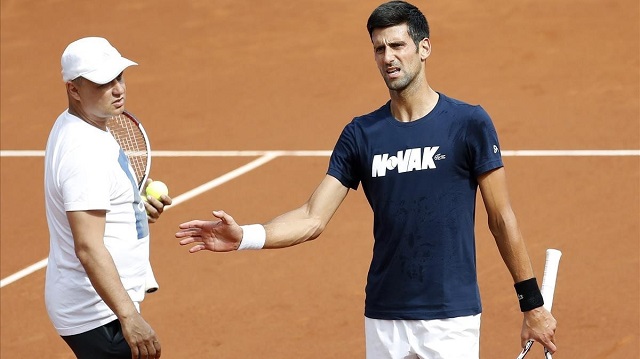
(395, 85)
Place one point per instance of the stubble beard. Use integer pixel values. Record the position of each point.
(399, 84)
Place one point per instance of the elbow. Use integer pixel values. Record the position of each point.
(495, 224)
(83, 255)
(315, 228)
(500, 223)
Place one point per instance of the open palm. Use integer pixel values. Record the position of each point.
(221, 235)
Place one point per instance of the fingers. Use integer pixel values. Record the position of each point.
(548, 341)
(188, 232)
(156, 345)
(219, 214)
(166, 200)
(223, 216)
(157, 204)
(550, 344)
(146, 183)
(141, 338)
(191, 224)
(545, 337)
(154, 208)
(147, 350)
(196, 248)
(144, 353)
(189, 236)
(539, 325)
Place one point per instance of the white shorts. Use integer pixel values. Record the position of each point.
(453, 338)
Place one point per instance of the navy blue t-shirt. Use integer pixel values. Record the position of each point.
(420, 179)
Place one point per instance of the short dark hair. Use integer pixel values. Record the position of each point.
(394, 13)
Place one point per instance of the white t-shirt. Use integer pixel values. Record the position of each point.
(85, 169)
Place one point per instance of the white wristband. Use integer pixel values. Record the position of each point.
(253, 237)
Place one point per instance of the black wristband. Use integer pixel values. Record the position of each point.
(529, 295)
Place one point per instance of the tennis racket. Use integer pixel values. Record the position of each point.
(548, 289)
(133, 140)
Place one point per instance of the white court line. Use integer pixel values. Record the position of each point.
(176, 201)
(569, 153)
(505, 153)
(23, 273)
(222, 179)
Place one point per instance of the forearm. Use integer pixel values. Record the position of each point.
(291, 228)
(88, 236)
(300, 225)
(511, 245)
(306, 222)
(105, 279)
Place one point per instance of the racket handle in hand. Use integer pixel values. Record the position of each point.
(547, 355)
(525, 350)
(548, 288)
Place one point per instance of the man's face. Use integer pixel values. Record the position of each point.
(397, 57)
(102, 101)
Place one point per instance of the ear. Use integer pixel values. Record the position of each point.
(425, 48)
(73, 90)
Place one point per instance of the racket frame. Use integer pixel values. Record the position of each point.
(151, 285)
(128, 115)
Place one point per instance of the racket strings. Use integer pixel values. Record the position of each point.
(132, 141)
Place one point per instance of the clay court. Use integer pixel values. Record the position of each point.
(222, 83)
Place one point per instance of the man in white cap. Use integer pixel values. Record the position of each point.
(98, 222)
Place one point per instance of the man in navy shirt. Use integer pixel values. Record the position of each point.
(420, 159)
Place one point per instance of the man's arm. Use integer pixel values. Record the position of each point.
(308, 221)
(297, 226)
(87, 228)
(538, 323)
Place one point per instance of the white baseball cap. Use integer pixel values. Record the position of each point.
(94, 59)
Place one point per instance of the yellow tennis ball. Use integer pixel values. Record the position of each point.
(156, 189)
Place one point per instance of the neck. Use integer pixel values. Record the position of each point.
(94, 121)
(408, 107)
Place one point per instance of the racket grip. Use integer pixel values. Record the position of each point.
(150, 283)
(550, 275)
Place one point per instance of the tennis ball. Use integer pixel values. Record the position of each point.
(156, 189)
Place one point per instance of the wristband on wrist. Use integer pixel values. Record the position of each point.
(253, 237)
(529, 295)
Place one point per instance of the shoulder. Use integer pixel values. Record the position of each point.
(73, 137)
(459, 105)
(463, 111)
(377, 115)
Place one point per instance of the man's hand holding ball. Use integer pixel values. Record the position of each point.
(157, 196)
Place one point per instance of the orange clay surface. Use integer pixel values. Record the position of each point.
(287, 75)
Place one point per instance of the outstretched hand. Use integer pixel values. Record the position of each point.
(221, 235)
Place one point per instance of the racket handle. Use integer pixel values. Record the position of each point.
(150, 283)
(550, 275)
